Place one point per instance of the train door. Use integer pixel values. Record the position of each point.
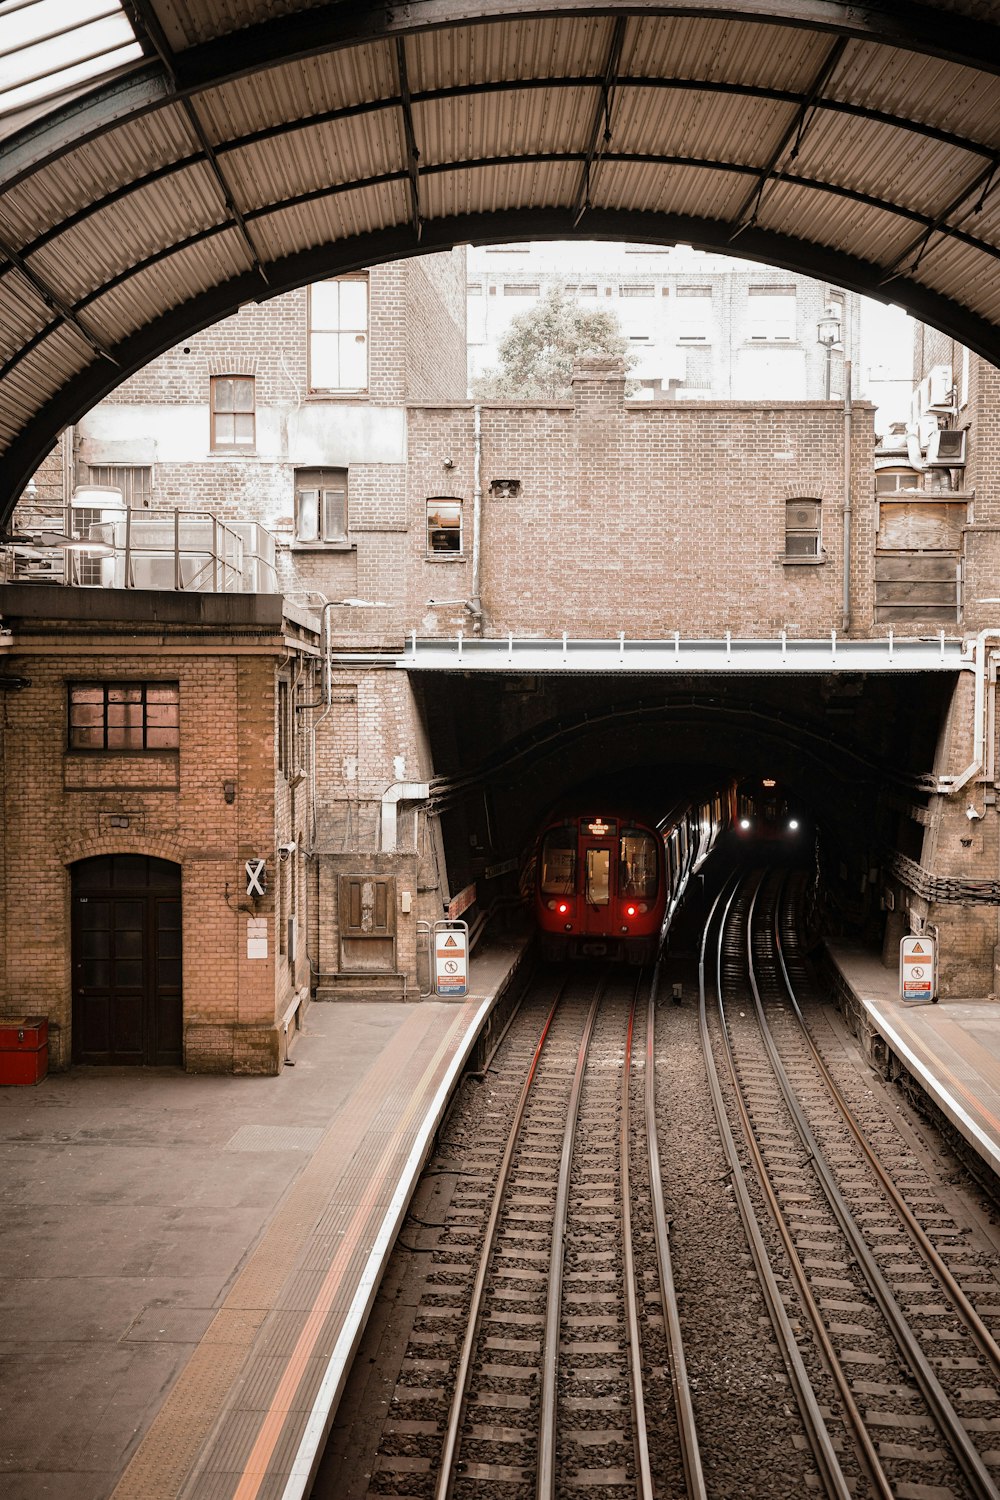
(597, 856)
(127, 1004)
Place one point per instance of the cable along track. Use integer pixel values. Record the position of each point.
(891, 1380)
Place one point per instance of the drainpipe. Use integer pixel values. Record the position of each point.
(846, 620)
(477, 514)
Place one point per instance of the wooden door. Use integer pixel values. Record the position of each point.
(126, 944)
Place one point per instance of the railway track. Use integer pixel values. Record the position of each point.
(670, 1265)
(900, 1361)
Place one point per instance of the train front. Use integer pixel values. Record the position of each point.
(600, 889)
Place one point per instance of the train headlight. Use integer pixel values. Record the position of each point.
(562, 908)
(793, 824)
(744, 823)
(630, 911)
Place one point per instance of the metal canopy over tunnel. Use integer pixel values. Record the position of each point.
(234, 160)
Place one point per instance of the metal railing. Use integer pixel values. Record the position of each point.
(129, 547)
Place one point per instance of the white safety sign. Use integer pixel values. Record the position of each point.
(451, 960)
(917, 969)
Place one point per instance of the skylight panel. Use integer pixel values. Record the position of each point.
(48, 47)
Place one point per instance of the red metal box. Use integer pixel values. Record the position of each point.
(24, 1049)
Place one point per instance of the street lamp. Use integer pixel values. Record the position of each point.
(828, 334)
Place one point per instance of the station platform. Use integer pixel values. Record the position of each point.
(951, 1047)
(187, 1262)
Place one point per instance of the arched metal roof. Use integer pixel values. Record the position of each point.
(239, 158)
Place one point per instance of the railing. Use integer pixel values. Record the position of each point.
(135, 548)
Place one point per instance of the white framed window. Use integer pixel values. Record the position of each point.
(694, 314)
(338, 334)
(320, 506)
(234, 413)
(771, 312)
(444, 527)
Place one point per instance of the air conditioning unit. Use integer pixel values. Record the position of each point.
(927, 428)
(946, 448)
(940, 389)
(922, 397)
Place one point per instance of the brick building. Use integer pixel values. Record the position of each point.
(334, 419)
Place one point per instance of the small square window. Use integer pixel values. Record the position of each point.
(234, 420)
(802, 528)
(444, 527)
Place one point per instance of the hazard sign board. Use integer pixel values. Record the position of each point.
(917, 969)
(451, 958)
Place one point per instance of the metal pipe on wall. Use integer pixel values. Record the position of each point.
(846, 619)
(477, 511)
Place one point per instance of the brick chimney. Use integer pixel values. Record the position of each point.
(599, 386)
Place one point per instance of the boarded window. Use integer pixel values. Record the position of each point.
(920, 525)
(772, 312)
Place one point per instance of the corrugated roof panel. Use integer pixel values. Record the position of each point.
(703, 126)
(22, 312)
(745, 52)
(188, 22)
(39, 376)
(308, 87)
(129, 231)
(338, 217)
(928, 90)
(884, 162)
(288, 165)
(168, 283)
(507, 123)
(495, 189)
(858, 229)
(94, 170)
(962, 272)
(692, 191)
(527, 47)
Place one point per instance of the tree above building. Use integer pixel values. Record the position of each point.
(542, 344)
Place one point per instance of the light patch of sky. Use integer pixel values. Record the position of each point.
(883, 374)
(49, 47)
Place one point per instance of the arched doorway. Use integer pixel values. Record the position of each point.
(127, 1002)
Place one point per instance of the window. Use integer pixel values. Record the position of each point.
(772, 312)
(521, 289)
(694, 314)
(637, 865)
(891, 481)
(134, 481)
(124, 716)
(444, 527)
(802, 518)
(320, 506)
(338, 334)
(558, 872)
(636, 291)
(234, 422)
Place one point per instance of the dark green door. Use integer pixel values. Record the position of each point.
(127, 1003)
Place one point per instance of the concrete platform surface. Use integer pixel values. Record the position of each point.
(952, 1047)
(152, 1224)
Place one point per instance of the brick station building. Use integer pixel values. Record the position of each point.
(335, 420)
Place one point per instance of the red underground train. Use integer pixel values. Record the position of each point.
(607, 884)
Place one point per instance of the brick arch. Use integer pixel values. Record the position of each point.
(153, 845)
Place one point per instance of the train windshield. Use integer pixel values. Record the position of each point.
(598, 891)
(558, 875)
(637, 865)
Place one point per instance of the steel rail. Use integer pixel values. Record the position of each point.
(687, 1428)
(947, 1419)
(831, 1475)
(644, 1481)
(987, 1344)
(460, 1388)
(545, 1479)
